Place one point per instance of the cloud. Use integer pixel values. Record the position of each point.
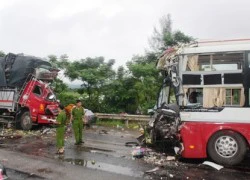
(110, 28)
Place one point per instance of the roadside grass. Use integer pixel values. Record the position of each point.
(119, 123)
(110, 123)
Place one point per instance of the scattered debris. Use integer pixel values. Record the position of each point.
(141, 139)
(153, 170)
(103, 131)
(131, 144)
(170, 158)
(45, 130)
(44, 170)
(138, 152)
(171, 175)
(159, 159)
(214, 165)
(177, 150)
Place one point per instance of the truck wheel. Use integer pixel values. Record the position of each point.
(227, 147)
(26, 122)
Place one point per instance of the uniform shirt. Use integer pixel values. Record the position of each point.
(61, 118)
(77, 113)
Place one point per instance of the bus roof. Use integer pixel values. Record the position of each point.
(211, 46)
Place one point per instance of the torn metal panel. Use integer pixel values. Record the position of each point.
(214, 165)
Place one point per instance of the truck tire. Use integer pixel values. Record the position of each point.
(227, 147)
(25, 121)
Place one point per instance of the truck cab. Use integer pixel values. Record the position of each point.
(26, 97)
(39, 103)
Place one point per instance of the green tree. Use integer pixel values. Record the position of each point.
(2, 54)
(58, 84)
(53, 60)
(146, 80)
(68, 97)
(95, 74)
(164, 36)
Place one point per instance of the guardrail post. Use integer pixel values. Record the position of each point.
(126, 122)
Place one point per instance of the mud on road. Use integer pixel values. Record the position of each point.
(104, 150)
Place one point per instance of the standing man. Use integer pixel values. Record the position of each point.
(77, 116)
(60, 130)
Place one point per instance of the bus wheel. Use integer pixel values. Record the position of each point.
(227, 147)
(25, 121)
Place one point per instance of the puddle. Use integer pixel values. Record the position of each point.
(92, 149)
(104, 167)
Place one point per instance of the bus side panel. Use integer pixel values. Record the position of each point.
(195, 136)
(193, 143)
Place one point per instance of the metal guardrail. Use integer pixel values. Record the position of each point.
(125, 117)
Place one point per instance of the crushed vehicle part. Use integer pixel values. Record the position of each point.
(170, 158)
(153, 170)
(166, 125)
(214, 165)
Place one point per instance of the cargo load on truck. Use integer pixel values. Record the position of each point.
(14, 69)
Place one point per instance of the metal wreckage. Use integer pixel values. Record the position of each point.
(165, 126)
(203, 105)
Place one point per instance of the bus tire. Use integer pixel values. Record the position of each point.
(227, 147)
(26, 121)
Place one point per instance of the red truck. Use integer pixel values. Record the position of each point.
(204, 103)
(26, 98)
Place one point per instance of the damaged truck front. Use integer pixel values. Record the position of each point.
(203, 105)
(25, 95)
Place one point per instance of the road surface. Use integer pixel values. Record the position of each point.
(102, 156)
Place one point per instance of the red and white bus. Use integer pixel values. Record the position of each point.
(211, 81)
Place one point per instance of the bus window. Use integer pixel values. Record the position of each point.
(215, 62)
(233, 97)
(231, 62)
(195, 96)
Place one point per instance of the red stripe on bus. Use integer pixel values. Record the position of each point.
(6, 101)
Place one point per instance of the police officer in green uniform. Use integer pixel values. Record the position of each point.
(77, 115)
(60, 130)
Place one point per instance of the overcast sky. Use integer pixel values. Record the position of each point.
(114, 29)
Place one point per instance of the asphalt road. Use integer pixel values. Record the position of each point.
(102, 156)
